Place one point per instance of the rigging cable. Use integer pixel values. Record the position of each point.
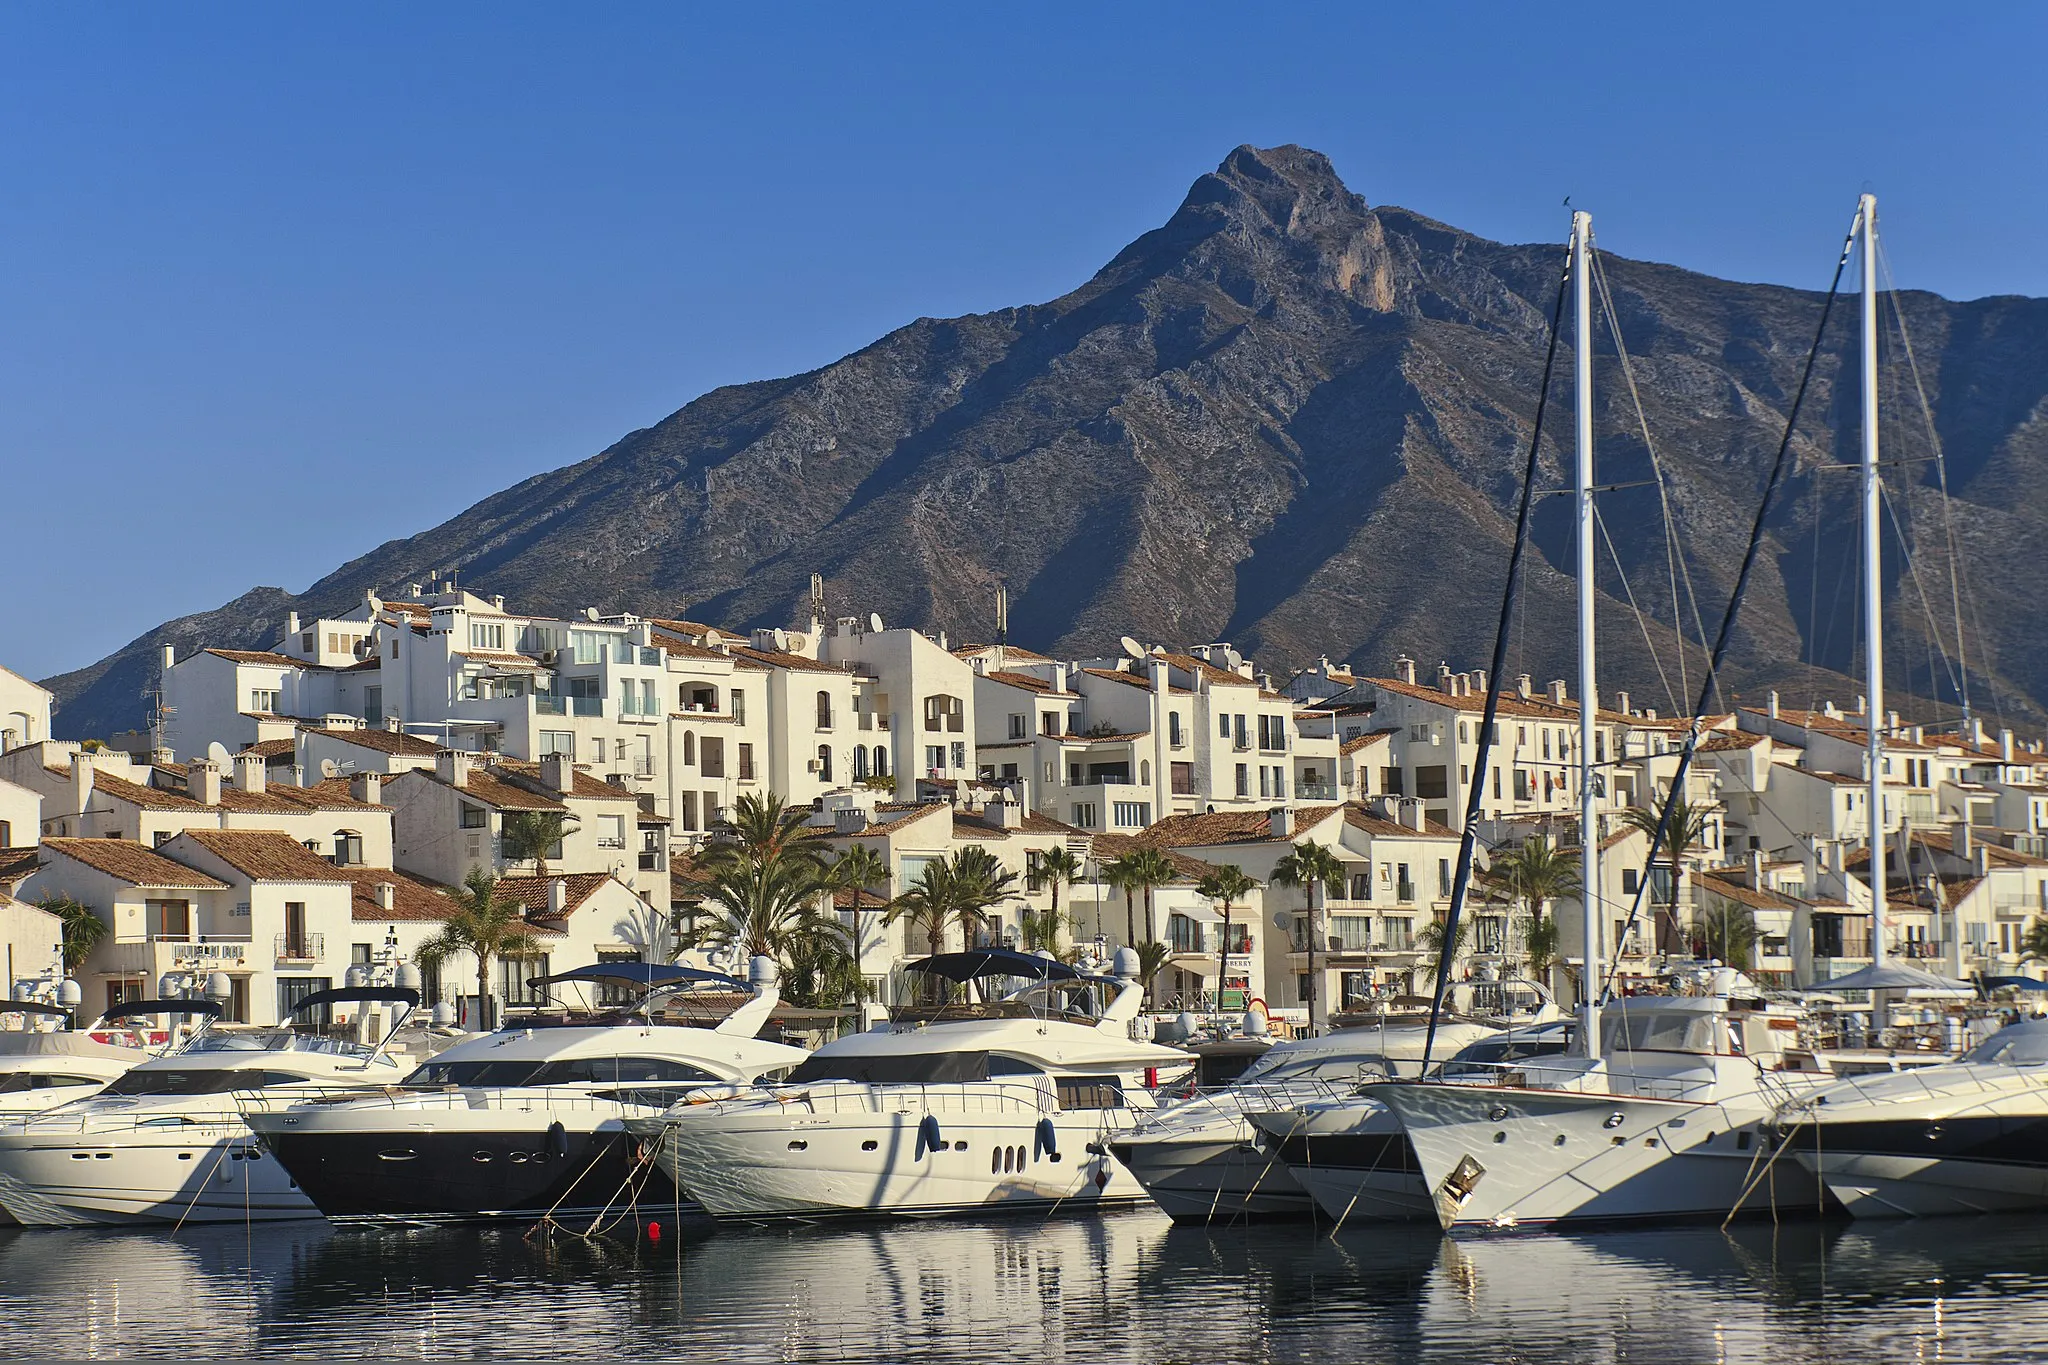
(1727, 631)
(1475, 801)
(1642, 618)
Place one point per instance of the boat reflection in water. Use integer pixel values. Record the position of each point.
(1122, 1287)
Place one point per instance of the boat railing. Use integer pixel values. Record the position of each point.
(856, 1097)
(1929, 1081)
(1246, 1098)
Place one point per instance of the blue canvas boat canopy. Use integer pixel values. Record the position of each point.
(646, 975)
(2024, 983)
(980, 962)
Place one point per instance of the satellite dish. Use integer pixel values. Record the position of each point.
(875, 621)
(781, 638)
(329, 768)
(712, 639)
(217, 752)
(1282, 920)
(1231, 659)
(590, 613)
(1132, 649)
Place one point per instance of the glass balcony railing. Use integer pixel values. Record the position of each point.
(586, 706)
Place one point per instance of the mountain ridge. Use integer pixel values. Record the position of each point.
(1285, 418)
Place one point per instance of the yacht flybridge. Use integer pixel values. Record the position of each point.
(167, 1142)
(41, 1068)
(530, 1120)
(1008, 1103)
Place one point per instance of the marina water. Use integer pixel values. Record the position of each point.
(1122, 1287)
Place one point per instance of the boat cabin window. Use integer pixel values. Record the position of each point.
(474, 1073)
(1089, 1092)
(212, 1081)
(612, 1070)
(1661, 1031)
(1489, 1053)
(895, 1068)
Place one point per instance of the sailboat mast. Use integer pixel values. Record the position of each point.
(1873, 583)
(1582, 489)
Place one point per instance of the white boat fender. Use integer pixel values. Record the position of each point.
(1046, 1141)
(928, 1139)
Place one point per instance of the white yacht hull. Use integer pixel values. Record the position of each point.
(1505, 1157)
(196, 1173)
(875, 1155)
(1217, 1177)
(1879, 1185)
(1352, 1159)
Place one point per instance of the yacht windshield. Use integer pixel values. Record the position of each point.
(1344, 1068)
(579, 1070)
(212, 1081)
(1660, 1031)
(2020, 1046)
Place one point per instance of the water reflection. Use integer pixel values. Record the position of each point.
(1123, 1288)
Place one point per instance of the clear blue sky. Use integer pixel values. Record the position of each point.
(292, 280)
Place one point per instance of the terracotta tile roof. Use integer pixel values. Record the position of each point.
(680, 648)
(266, 855)
(1009, 651)
(778, 659)
(413, 899)
(1352, 746)
(1988, 749)
(1025, 681)
(135, 794)
(1475, 702)
(532, 892)
(967, 827)
(1230, 827)
(1841, 727)
(497, 659)
(1186, 868)
(1942, 841)
(260, 656)
(1188, 663)
(272, 748)
(128, 861)
(489, 790)
(686, 879)
(1359, 818)
(379, 740)
(843, 899)
(1743, 895)
(1729, 739)
(585, 786)
(416, 610)
(1034, 823)
(1132, 679)
(687, 628)
(901, 814)
(16, 863)
(327, 794)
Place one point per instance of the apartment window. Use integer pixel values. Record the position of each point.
(746, 763)
(860, 762)
(172, 919)
(292, 989)
(1265, 781)
(1524, 790)
(586, 647)
(686, 810)
(1182, 778)
(739, 707)
(934, 758)
(942, 712)
(611, 831)
(650, 704)
(1084, 814)
(1350, 933)
(1496, 784)
(348, 849)
(515, 972)
(643, 756)
(824, 763)
(1017, 724)
(296, 943)
(629, 697)
(1222, 727)
(1049, 723)
(689, 749)
(1433, 782)
(1272, 733)
(1361, 886)
(561, 742)
(1131, 814)
(1443, 876)
(1238, 737)
(712, 757)
(373, 705)
(1051, 772)
(824, 710)
(1391, 783)
(960, 755)
(1280, 783)
(1244, 780)
(1173, 734)
(1630, 882)
(487, 635)
(263, 700)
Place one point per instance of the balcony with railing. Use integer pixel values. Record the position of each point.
(301, 947)
(160, 953)
(1314, 791)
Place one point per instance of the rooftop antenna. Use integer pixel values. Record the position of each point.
(1002, 620)
(817, 602)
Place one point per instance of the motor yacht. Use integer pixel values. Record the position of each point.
(1664, 1122)
(1347, 1153)
(167, 1142)
(530, 1120)
(1970, 1136)
(1204, 1159)
(47, 1063)
(1008, 1104)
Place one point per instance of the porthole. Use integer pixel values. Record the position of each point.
(799, 1145)
(870, 1145)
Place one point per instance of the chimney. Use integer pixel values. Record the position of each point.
(1443, 678)
(1279, 824)
(1891, 722)
(498, 601)
(2005, 745)
(249, 774)
(1862, 705)
(367, 787)
(391, 723)
(81, 782)
(291, 625)
(1917, 733)
(387, 896)
(1980, 861)
(1962, 842)
(1976, 732)
(1621, 703)
(1404, 669)
(170, 658)
(1525, 686)
(1756, 869)
(1411, 813)
(202, 782)
(294, 776)
(1479, 681)
(1556, 689)
(558, 772)
(558, 896)
(849, 820)
(452, 767)
(1008, 811)
(1773, 706)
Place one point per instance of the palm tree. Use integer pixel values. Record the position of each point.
(1228, 884)
(819, 969)
(1730, 933)
(1117, 872)
(529, 834)
(1687, 829)
(1144, 869)
(484, 925)
(2034, 942)
(958, 890)
(1311, 867)
(82, 930)
(1056, 868)
(858, 868)
(1531, 878)
(1432, 941)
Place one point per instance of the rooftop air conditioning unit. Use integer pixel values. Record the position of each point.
(547, 658)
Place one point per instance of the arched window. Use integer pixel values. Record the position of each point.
(1144, 772)
(824, 760)
(881, 761)
(689, 749)
(824, 710)
(860, 762)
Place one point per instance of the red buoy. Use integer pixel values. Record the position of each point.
(654, 1232)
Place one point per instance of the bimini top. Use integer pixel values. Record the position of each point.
(35, 1007)
(980, 962)
(646, 975)
(391, 995)
(2024, 983)
(133, 1009)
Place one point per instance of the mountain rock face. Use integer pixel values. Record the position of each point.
(1295, 422)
